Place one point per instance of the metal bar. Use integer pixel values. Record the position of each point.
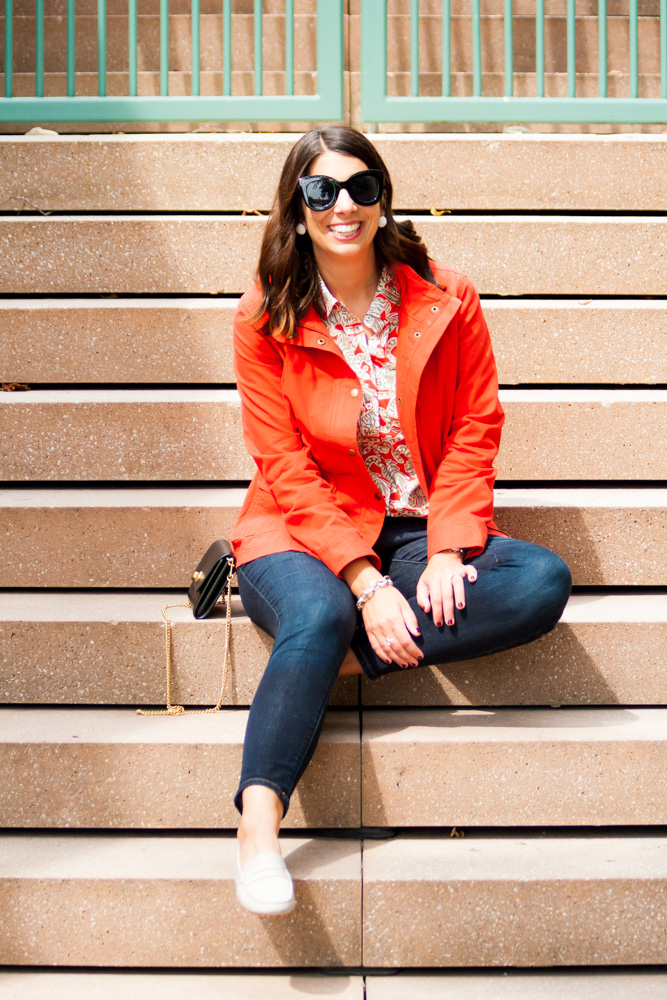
(446, 49)
(215, 108)
(102, 48)
(9, 47)
(414, 48)
(227, 46)
(663, 48)
(571, 49)
(39, 48)
(289, 47)
(602, 48)
(132, 41)
(634, 48)
(71, 41)
(539, 48)
(476, 49)
(164, 47)
(195, 49)
(329, 59)
(258, 48)
(374, 61)
(509, 50)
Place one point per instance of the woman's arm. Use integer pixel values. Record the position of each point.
(306, 500)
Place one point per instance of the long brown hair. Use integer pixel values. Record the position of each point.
(287, 271)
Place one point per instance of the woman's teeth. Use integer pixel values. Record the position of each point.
(346, 230)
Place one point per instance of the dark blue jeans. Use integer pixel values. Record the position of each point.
(520, 593)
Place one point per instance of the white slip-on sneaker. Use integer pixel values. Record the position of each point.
(264, 885)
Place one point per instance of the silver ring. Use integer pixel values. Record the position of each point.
(389, 640)
(452, 575)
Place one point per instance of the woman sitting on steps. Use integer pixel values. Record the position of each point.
(366, 542)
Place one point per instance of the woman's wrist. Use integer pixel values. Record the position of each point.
(359, 575)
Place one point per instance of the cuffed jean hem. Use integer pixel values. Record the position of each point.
(283, 796)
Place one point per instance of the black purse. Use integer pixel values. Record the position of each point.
(211, 585)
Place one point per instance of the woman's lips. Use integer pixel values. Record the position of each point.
(348, 231)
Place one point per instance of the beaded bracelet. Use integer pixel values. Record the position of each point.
(363, 598)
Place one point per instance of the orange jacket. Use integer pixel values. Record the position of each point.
(301, 403)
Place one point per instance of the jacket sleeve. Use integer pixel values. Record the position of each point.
(305, 499)
(461, 496)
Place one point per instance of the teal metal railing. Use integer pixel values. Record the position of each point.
(324, 105)
(377, 105)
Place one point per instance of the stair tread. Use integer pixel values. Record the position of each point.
(567, 984)
(93, 985)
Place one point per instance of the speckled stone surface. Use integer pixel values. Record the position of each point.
(108, 648)
(189, 340)
(237, 172)
(170, 902)
(566, 984)
(35, 985)
(111, 768)
(514, 767)
(113, 537)
(110, 340)
(606, 536)
(583, 661)
(195, 434)
(141, 434)
(507, 255)
(543, 901)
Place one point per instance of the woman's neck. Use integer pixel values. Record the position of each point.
(351, 281)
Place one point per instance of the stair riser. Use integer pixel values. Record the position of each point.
(112, 546)
(112, 341)
(195, 438)
(505, 256)
(122, 663)
(199, 173)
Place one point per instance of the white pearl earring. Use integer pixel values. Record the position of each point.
(382, 222)
(301, 229)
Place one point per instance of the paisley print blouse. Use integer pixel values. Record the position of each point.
(372, 357)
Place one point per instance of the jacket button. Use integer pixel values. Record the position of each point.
(417, 334)
(320, 341)
(354, 392)
(434, 309)
(351, 451)
(378, 496)
(400, 399)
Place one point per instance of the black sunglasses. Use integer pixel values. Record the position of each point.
(320, 192)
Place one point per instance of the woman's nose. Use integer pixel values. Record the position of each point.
(344, 203)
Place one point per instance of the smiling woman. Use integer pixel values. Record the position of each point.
(366, 543)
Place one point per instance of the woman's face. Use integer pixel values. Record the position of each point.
(345, 231)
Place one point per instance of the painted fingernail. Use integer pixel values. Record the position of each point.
(439, 624)
(459, 605)
(450, 621)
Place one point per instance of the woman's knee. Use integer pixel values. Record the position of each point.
(547, 587)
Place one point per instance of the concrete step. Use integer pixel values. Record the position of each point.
(147, 901)
(199, 173)
(564, 984)
(35, 985)
(182, 254)
(514, 767)
(91, 649)
(195, 434)
(125, 340)
(583, 661)
(127, 538)
(305, 43)
(114, 769)
(534, 901)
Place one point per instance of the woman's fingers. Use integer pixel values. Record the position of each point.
(423, 599)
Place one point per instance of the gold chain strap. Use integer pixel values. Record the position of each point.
(180, 709)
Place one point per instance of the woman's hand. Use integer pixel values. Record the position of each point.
(441, 586)
(390, 624)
